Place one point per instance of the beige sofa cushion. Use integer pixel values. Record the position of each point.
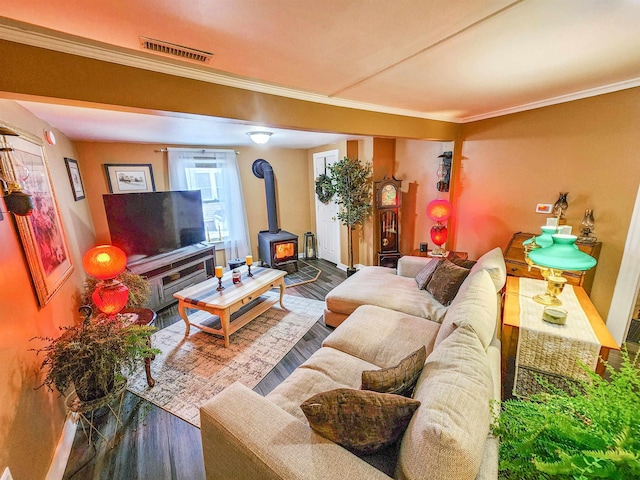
(477, 305)
(446, 437)
(327, 369)
(493, 262)
(371, 286)
(382, 337)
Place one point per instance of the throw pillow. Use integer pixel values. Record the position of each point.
(400, 379)
(424, 275)
(446, 281)
(461, 262)
(361, 421)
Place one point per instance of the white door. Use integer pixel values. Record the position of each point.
(327, 223)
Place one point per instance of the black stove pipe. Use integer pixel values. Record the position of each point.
(262, 169)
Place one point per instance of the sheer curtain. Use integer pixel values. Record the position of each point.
(236, 243)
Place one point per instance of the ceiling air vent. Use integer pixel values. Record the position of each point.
(174, 50)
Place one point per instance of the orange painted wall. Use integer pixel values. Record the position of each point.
(31, 420)
(417, 166)
(588, 148)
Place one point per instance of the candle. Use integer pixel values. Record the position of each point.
(249, 260)
(218, 272)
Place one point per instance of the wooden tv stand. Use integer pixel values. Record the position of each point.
(173, 271)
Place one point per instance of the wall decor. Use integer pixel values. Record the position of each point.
(130, 177)
(544, 207)
(42, 233)
(75, 178)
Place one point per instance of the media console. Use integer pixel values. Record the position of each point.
(173, 271)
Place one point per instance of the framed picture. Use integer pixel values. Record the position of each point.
(41, 233)
(544, 207)
(130, 177)
(75, 178)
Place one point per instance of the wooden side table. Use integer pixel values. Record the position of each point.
(418, 253)
(143, 317)
(511, 324)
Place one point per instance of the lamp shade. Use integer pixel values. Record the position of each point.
(439, 210)
(562, 255)
(439, 234)
(544, 239)
(104, 262)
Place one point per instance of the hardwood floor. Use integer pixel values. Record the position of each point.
(156, 445)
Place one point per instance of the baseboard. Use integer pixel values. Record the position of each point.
(342, 266)
(63, 450)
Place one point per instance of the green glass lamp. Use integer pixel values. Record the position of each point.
(544, 239)
(561, 255)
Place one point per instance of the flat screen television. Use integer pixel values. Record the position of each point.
(144, 224)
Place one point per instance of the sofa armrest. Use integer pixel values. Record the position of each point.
(246, 436)
(409, 266)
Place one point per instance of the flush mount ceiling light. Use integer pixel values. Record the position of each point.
(259, 137)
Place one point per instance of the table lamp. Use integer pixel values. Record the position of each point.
(105, 262)
(553, 260)
(439, 211)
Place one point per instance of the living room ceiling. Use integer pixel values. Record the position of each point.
(456, 60)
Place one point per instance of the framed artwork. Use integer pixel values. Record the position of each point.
(130, 177)
(41, 233)
(544, 207)
(75, 178)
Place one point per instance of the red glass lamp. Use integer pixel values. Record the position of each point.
(105, 262)
(439, 211)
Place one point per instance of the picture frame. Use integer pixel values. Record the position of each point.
(74, 178)
(130, 177)
(41, 233)
(544, 207)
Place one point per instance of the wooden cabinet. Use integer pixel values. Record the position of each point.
(517, 267)
(170, 272)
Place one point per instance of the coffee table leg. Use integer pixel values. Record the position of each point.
(183, 314)
(224, 322)
(282, 287)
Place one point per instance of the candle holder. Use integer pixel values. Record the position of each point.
(249, 274)
(220, 287)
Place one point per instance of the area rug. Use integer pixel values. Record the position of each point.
(191, 370)
(306, 273)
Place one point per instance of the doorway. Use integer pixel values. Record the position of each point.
(625, 292)
(327, 223)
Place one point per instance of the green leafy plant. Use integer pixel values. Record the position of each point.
(95, 354)
(590, 431)
(139, 290)
(351, 185)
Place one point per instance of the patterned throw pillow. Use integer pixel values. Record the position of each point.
(361, 421)
(423, 277)
(446, 281)
(461, 262)
(399, 380)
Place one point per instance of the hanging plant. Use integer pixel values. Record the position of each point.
(324, 188)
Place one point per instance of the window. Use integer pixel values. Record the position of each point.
(215, 173)
(206, 176)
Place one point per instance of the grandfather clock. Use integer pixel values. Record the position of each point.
(388, 201)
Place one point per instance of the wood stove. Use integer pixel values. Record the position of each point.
(276, 248)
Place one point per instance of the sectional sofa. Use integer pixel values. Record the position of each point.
(247, 436)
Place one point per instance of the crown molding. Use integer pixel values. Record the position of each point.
(19, 32)
(592, 92)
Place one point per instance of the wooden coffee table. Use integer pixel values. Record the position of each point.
(205, 298)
